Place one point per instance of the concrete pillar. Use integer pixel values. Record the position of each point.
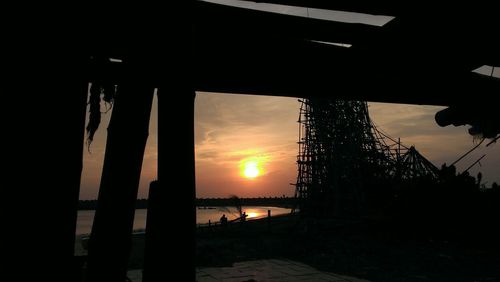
(171, 237)
(110, 242)
(47, 143)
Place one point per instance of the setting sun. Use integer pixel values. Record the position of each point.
(251, 170)
(252, 167)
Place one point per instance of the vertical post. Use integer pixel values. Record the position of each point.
(268, 220)
(110, 242)
(48, 149)
(65, 185)
(175, 218)
(153, 222)
(71, 191)
(398, 161)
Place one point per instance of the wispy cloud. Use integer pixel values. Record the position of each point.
(229, 128)
(232, 128)
(415, 125)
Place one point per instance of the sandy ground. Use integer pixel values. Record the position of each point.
(371, 250)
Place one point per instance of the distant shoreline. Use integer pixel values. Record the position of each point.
(280, 202)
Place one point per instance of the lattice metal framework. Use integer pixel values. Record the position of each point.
(343, 157)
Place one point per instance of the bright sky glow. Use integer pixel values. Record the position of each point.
(230, 130)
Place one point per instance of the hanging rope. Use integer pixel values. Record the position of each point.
(482, 140)
(493, 141)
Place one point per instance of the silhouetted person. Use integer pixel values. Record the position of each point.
(448, 172)
(223, 220)
(494, 186)
(244, 216)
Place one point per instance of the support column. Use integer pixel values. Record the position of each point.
(63, 186)
(171, 232)
(110, 242)
(69, 189)
(48, 148)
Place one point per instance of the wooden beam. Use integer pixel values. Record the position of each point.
(173, 68)
(381, 7)
(309, 69)
(234, 46)
(173, 212)
(298, 68)
(110, 241)
(45, 160)
(390, 8)
(213, 20)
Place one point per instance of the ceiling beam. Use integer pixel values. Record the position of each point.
(213, 19)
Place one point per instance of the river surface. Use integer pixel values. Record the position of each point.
(203, 216)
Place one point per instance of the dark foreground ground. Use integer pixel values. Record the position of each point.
(377, 250)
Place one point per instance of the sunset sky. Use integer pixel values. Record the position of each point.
(247, 145)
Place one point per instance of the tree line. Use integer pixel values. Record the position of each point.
(284, 202)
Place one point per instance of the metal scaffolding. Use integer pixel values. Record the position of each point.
(343, 158)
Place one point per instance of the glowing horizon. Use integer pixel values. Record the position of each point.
(232, 128)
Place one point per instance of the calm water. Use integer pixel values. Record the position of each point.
(85, 218)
